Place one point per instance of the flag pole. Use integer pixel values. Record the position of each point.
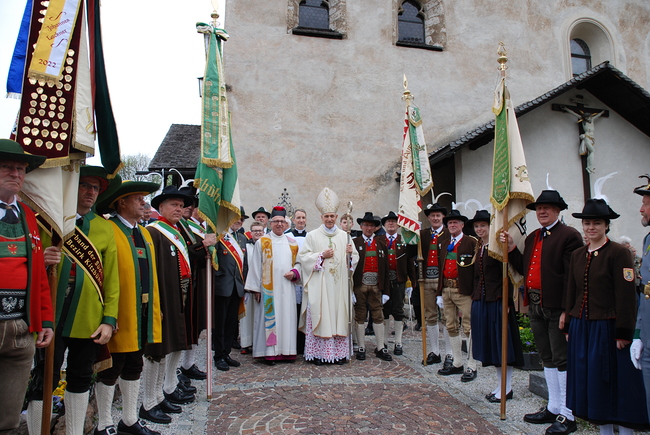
(208, 267)
(48, 363)
(502, 59)
(408, 97)
(350, 285)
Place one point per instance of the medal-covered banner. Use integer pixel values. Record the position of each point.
(54, 40)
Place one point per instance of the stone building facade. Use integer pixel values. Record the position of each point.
(316, 107)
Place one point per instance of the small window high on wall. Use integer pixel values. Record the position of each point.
(580, 56)
(411, 22)
(314, 14)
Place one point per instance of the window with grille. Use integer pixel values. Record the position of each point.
(410, 22)
(314, 14)
(580, 57)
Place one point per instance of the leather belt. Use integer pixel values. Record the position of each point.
(451, 283)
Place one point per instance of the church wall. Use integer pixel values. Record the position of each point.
(313, 112)
(551, 143)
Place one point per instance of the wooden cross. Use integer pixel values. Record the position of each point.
(581, 109)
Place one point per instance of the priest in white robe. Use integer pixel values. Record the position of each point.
(327, 259)
(271, 278)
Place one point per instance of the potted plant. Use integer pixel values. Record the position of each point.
(532, 360)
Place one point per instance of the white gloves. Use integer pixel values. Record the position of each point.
(246, 297)
(439, 301)
(384, 299)
(636, 349)
(408, 292)
(354, 299)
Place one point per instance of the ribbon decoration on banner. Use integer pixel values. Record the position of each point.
(54, 40)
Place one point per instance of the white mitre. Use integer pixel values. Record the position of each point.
(327, 201)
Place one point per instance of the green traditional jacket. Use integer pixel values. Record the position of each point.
(86, 310)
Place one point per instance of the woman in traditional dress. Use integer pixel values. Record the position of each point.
(603, 386)
(487, 312)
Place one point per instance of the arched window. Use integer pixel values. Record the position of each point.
(410, 22)
(580, 56)
(314, 14)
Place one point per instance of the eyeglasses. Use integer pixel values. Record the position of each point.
(277, 222)
(4, 167)
(257, 231)
(89, 186)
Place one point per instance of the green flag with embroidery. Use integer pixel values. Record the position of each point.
(216, 172)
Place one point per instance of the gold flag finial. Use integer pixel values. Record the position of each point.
(407, 94)
(214, 13)
(503, 58)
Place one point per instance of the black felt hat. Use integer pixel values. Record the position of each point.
(389, 216)
(551, 197)
(170, 192)
(369, 217)
(596, 208)
(278, 211)
(644, 189)
(243, 213)
(480, 216)
(261, 210)
(454, 215)
(435, 207)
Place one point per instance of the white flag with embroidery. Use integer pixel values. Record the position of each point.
(416, 180)
(510, 182)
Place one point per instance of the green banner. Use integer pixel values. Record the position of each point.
(501, 161)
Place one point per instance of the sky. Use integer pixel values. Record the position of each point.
(153, 57)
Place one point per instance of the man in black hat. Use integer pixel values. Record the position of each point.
(161, 388)
(399, 270)
(371, 285)
(139, 309)
(544, 265)
(640, 349)
(456, 285)
(229, 289)
(24, 279)
(430, 239)
(198, 242)
(262, 215)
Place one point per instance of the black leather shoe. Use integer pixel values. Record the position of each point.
(182, 378)
(155, 414)
(398, 349)
(493, 399)
(221, 364)
(433, 358)
(449, 362)
(562, 425)
(468, 376)
(450, 371)
(235, 344)
(179, 397)
(417, 327)
(135, 429)
(108, 430)
(361, 354)
(269, 362)
(540, 417)
(169, 408)
(187, 389)
(194, 373)
(231, 362)
(318, 362)
(383, 354)
(340, 361)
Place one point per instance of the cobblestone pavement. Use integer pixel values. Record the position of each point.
(367, 396)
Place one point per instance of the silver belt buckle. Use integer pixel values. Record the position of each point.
(392, 275)
(432, 272)
(370, 278)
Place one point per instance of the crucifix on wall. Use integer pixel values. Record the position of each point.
(586, 118)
